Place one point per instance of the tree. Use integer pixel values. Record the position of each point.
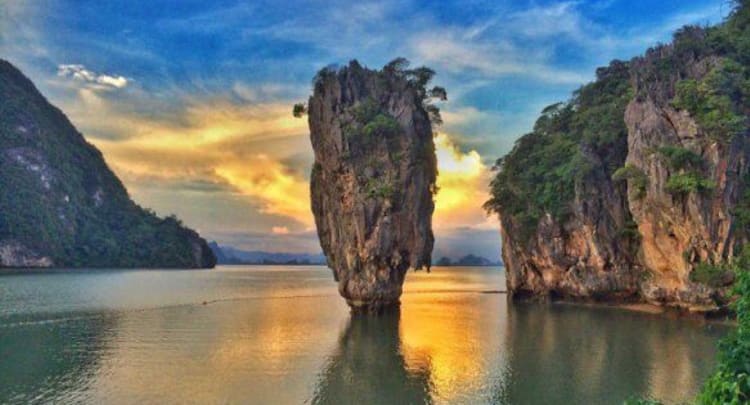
(299, 110)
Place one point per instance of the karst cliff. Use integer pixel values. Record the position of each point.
(638, 188)
(61, 205)
(373, 179)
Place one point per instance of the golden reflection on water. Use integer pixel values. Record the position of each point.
(226, 352)
(449, 343)
(453, 340)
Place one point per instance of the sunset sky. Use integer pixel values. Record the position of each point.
(190, 101)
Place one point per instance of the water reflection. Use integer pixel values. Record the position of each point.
(368, 367)
(263, 351)
(39, 360)
(454, 336)
(286, 337)
(604, 355)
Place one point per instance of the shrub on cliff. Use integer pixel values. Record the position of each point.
(636, 177)
(540, 174)
(718, 100)
(685, 183)
(712, 275)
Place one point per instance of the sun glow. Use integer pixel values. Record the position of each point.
(254, 150)
(462, 182)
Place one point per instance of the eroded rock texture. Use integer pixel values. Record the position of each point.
(373, 179)
(679, 200)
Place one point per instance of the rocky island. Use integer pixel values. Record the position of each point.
(638, 188)
(61, 206)
(374, 175)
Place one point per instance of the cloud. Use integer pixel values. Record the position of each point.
(205, 131)
(280, 230)
(451, 51)
(554, 20)
(462, 182)
(92, 79)
(249, 151)
(212, 145)
(280, 191)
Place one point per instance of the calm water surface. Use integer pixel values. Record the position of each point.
(282, 335)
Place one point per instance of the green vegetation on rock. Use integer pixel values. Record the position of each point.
(540, 174)
(730, 383)
(60, 201)
(379, 188)
(712, 275)
(720, 100)
(685, 183)
(370, 122)
(636, 178)
(716, 102)
(679, 158)
(687, 168)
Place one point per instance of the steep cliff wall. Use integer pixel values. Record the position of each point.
(643, 193)
(373, 179)
(564, 224)
(60, 205)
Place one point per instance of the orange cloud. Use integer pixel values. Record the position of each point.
(238, 146)
(462, 182)
(281, 192)
(246, 149)
(280, 230)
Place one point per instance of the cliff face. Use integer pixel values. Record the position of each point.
(681, 229)
(562, 215)
(656, 207)
(60, 205)
(373, 179)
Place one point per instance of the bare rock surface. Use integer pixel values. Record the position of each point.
(373, 179)
(643, 239)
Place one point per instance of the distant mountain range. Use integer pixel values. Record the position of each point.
(230, 255)
(468, 260)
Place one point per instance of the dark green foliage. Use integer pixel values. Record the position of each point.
(299, 110)
(59, 198)
(382, 125)
(679, 158)
(540, 174)
(712, 275)
(370, 122)
(636, 178)
(718, 100)
(730, 384)
(686, 167)
(397, 65)
(366, 111)
(439, 93)
(396, 70)
(327, 73)
(379, 188)
(685, 183)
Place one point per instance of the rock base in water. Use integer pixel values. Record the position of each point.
(374, 175)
